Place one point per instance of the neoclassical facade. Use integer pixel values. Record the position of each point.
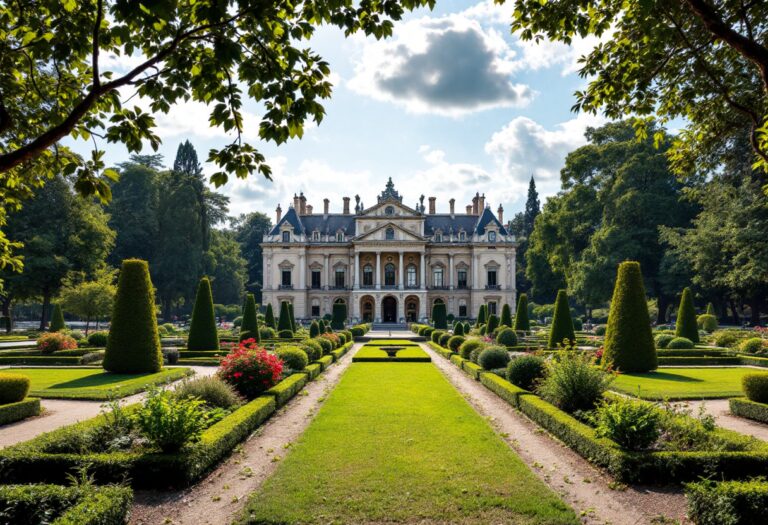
(389, 263)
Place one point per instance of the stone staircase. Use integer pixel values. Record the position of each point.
(387, 327)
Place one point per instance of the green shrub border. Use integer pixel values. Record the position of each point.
(12, 412)
(698, 361)
(743, 407)
(325, 361)
(472, 369)
(287, 388)
(39, 360)
(712, 503)
(425, 359)
(313, 370)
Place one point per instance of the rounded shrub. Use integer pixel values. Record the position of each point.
(266, 332)
(629, 345)
(57, 319)
(161, 331)
(753, 345)
(680, 343)
(50, 342)
(98, 338)
(202, 327)
(314, 329)
(134, 346)
(755, 387)
(707, 322)
(686, 325)
(285, 334)
(250, 318)
(455, 342)
(725, 338)
(444, 340)
(77, 335)
(475, 355)
(427, 332)
(663, 340)
(169, 327)
(211, 390)
(13, 388)
(436, 335)
(466, 348)
(506, 337)
(578, 325)
(600, 329)
(237, 322)
(493, 357)
(313, 348)
(171, 355)
(348, 335)
(326, 344)
(522, 323)
(562, 323)
(458, 329)
(357, 331)
(293, 357)
(572, 383)
(526, 371)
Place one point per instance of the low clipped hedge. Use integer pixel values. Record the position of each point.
(325, 361)
(743, 407)
(12, 412)
(287, 388)
(312, 370)
(504, 389)
(44, 360)
(57, 505)
(713, 503)
(698, 361)
(445, 352)
(474, 370)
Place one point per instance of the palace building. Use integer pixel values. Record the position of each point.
(389, 263)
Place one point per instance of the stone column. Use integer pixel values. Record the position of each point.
(422, 273)
(326, 265)
(302, 271)
(378, 270)
(450, 271)
(357, 270)
(401, 273)
(475, 264)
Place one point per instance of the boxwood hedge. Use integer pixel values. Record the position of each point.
(12, 412)
(58, 505)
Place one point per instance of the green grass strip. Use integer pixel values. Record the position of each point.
(683, 383)
(396, 443)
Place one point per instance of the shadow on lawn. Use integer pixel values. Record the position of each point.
(94, 381)
(666, 376)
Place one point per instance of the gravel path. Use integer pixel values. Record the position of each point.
(61, 412)
(588, 490)
(722, 413)
(222, 494)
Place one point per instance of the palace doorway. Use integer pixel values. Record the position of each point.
(412, 309)
(367, 308)
(389, 310)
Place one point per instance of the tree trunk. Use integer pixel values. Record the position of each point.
(6, 312)
(662, 303)
(755, 307)
(166, 310)
(44, 314)
(87, 325)
(734, 312)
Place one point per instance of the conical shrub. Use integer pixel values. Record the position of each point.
(562, 323)
(202, 327)
(439, 317)
(493, 324)
(250, 327)
(269, 317)
(481, 315)
(711, 309)
(629, 345)
(458, 328)
(133, 345)
(506, 316)
(686, 318)
(339, 316)
(291, 317)
(522, 323)
(284, 321)
(314, 329)
(57, 319)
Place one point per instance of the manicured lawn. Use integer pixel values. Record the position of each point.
(375, 352)
(683, 383)
(396, 443)
(92, 383)
(392, 342)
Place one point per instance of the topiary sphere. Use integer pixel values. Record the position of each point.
(444, 340)
(600, 329)
(436, 335)
(663, 340)
(475, 354)
(707, 322)
(526, 371)
(285, 334)
(680, 343)
(13, 388)
(455, 342)
(752, 346)
(313, 348)
(326, 344)
(427, 332)
(755, 387)
(493, 357)
(506, 337)
(466, 348)
(293, 357)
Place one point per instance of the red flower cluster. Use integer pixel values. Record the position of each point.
(250, 369)
(333, 338)
(51, 342)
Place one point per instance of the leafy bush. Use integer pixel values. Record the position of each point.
(98, 338)
(686, 318)
(427, 332)
(678, 343)
(169, 327)
(455, 342)
(493, 357)
(578, 324)
(506, 337)
(13, 388)
(211, 390)
(600, 329)
(314, 329)
(170, 422)
(333, 338)
(468, 346)
(285, 334)
(725, 338)
(752, 345)
(293, 357)
(91, 357)
(77, 335)
(436, 335)
(266, 332)
(202, 328)
(663, 340)
(313, 349)
(250, 369)
(57, 319)
(634, 425)
(326, 344)
(357, 331)
(51, 342)
(237, 321)
(755, 387)
(444, 339)
(727, 502)
(171, 355)
(474, 356)
(707, 322)
(572, 383)
(526, 371)
(562, 323)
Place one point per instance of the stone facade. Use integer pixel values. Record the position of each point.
(389, 262)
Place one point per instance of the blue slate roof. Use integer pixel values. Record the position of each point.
(487, 217)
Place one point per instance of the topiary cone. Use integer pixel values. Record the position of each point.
(314, 329)
(269, 317)
(133, 345)
(439, 318)
(481, 315)
(202, 327)
(686, 325)
(339, 316)
(291, 317)
(629, 345)
(711, 309)
(522, 323)
(458, 328)
(562, 323)
(57, 319)
(250, 327)
(284, 321)
(506, 316)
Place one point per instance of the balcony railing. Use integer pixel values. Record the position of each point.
(337, 287)
(285, 287)
(412, 286)
(462, 286)
(493, 287)
(439, 287)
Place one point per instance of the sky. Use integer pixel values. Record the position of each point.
(450, 105)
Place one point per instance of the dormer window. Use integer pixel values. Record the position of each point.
(389, 210)
(462, 236)
(491, 236)
(286, 236)
(438, 237)
(315, 235)
(339, 237)
(389, 234)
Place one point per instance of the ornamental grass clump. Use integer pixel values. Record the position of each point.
(211, 390)
(572, 383)
(202, 327)
(51, 342)
(250, 369)
(686, 325)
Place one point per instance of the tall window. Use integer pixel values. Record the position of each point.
(410, 273)
(462, 308)
(315, 308)
(492, 278)
(316, 279)
(339, 278)
(462, 236)
(316, 237)
(367, 275)
(462, 273)
(286, 278)
(491, 307)
(286, 236)
(339, 237)
(437, 275)
(438, 237)
(491, 236)
(390, 234)
(389, 274)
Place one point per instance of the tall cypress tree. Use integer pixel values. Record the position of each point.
(506, 316)
(493, 324)
(481, 315)
(532, 208)
(57, 319)
(292, 318)
(562, 323)
(202, 327)
(249, 329)
(269, 317)
(284, 321)
(439, 318)
(522, 323)
(629, 345)
(339, 316)
(686, 325)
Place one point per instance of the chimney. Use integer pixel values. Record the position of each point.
(500, 212)
(279, 212)
(432, 205)
(302, 204)
(469, 209)
(452, 202)
(481, 205)
(309, 209)
(346, 205)
(326, 204)
(296, 202)
(475, 203)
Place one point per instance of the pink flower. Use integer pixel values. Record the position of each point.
(238, 374)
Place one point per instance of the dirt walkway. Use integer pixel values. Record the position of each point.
(217, 498)
(722, 413)
(61, 412)
(593, 494)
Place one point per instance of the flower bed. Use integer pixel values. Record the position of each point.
(12, 412)
(57, 505)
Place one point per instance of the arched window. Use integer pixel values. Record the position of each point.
(367, 275)
(491, 236)
(410, 273)
(389, 210)
(437, 274)
(390, 234)
(286, 236)
(389, 274)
